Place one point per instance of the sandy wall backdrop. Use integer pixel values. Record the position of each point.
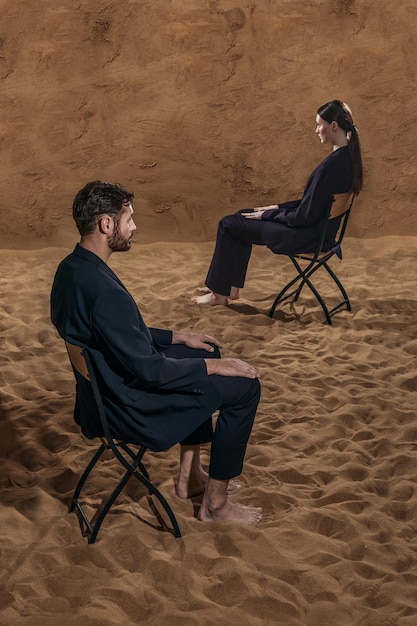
(200, 107)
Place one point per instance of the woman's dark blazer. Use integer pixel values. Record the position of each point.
(295, 226)
(150, 399)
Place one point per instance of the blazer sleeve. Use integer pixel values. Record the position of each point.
(127, 344)
(283, 209)
(161, 337)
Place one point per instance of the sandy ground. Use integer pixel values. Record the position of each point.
(331, 458)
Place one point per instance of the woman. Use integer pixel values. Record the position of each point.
(292, 226)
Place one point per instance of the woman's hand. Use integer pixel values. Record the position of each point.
(257, 212)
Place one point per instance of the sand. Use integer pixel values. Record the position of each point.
(331, 459)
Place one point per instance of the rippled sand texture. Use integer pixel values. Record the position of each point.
(332, 457)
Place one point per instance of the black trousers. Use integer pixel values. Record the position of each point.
(235, 237)
(239, 398)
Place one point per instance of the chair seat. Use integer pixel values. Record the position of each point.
(309, 256)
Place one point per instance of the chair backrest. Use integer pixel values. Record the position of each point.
(81, 362)
(77, 359)
(339, 208)
(342, 202)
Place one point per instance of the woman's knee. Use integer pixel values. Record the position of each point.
(229, 221)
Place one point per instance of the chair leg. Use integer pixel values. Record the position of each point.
(105, 509)
(346, 300)
(136, 458)
(134, 467)
(302, 274)
(143, 476)
(327, 312)
(303, 278)
(94, 529)
(84, 477)
(319, 299)
(283, 295)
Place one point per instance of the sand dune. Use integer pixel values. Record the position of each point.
(331, 457)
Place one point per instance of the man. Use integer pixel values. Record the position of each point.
(160, 387)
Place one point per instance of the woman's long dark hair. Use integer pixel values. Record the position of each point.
(338, 111)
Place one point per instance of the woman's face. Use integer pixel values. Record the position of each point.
(324, 130)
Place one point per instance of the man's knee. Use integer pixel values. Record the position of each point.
(215, 354)
(181, 351)
(255, 389)
(237, 390)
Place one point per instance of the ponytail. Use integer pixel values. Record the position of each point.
(356, 156)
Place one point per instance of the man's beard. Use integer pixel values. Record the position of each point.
(116, 242)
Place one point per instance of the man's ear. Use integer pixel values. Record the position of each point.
(105, 224)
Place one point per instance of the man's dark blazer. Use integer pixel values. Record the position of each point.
(151, 399)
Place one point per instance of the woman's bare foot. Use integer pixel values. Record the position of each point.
(211, 299)
(230, 512)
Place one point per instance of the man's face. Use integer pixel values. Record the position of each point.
(124, 227)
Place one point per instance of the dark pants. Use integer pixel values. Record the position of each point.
(239, 398)
(235, 236)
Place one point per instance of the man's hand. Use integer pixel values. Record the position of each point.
(230, 367)
(196, 340)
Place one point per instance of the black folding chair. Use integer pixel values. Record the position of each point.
(339, 208)
(125, 455)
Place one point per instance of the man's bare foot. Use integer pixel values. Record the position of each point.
(230, 512)
(192, 486)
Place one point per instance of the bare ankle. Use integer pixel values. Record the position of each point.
(229, 512)
(216, 507)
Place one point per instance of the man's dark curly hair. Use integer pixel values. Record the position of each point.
(96, 199)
